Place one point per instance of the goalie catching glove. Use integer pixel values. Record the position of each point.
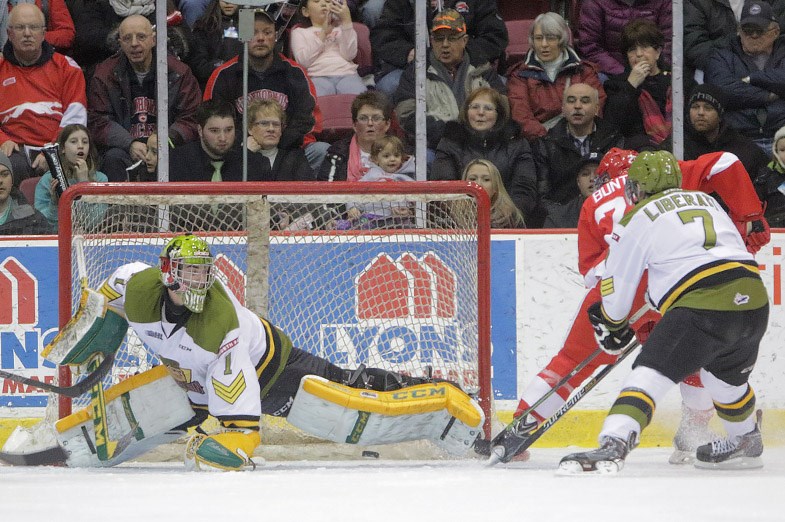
(614, 338)
(230, 450)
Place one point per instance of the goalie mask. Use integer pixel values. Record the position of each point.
(651, 173)
(187, 268)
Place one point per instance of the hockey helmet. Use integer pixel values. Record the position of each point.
(187, 268)
(613, 164)
(650, 173)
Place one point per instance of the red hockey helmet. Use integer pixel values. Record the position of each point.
(615, 163)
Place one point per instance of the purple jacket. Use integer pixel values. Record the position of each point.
(601, 23)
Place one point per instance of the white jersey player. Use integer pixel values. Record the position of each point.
(715, 311)
(236, 366)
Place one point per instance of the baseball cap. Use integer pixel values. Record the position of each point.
(757, 13)
(449, 20)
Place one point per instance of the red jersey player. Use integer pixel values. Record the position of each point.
(721, 173)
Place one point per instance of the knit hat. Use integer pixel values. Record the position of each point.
(449, 20)
(5, 161)
(757, 13)
(709, 94)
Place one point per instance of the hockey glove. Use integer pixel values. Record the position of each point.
(613, 338)
(227, 451)
(758, 236)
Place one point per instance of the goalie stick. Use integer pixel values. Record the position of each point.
(75, 390)
(513, 440)
(55, 456)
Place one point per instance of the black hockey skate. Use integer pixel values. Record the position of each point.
(739, 453)
(512, 442)
(608, 458)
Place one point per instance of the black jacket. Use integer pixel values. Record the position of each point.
(502, 145)
(621, 106)
(24, 220)
(190, 162)
(557, 157)
(728, 140)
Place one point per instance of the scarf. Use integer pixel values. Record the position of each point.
(354, 167)
(127, 8)
(657, 126)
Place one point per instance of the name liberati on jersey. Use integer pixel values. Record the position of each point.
(671, 202)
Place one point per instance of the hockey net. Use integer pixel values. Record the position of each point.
(402, 286)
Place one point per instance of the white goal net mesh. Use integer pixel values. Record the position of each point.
(389, 280)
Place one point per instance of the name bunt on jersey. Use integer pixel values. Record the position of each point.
(418, 325)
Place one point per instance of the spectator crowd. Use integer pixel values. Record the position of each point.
(530, 129)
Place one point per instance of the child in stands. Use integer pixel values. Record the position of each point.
(389, 163)
(325, 44)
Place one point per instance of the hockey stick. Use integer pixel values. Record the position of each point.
(513, 440)
(49, 457)
(483, 447)
(104, 445)
(80, 388)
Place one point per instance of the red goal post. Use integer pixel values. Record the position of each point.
(404, 286)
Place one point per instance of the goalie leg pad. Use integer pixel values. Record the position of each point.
(94, 328)
(140, 413)
(438, 412)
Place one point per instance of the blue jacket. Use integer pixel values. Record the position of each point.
(750, 110)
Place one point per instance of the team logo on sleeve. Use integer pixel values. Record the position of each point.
(230, 393)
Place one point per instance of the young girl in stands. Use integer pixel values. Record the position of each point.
(325, 44)
(389, 163)
(79, 164)
(504, 213)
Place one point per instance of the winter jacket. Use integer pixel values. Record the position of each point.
(750, 109)
(289, 165)
(502, 145)
(557, 158)
(564, 215)
(191, 163)
(393, 36)
(728, 140)
(48, 207)
(111, 102)
(710, 25)
(212, 48)
(444, 96)
(24, 220)
(535, 99)
(284, 81)
(622, 109)
(602, 22)
(39, 100)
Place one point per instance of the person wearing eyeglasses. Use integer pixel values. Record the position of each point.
(484, 130)
(41, 91)
(536, 85)
(751, 72)
(450, 77)
(122, 99)
(59, 28)
(349, 159)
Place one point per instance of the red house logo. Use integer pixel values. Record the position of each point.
(407, 287)
(18, 294)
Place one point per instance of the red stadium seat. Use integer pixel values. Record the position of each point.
(364, 56)
(27, 187)
(518, 46)
(336, 116)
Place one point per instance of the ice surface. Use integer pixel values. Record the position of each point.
(647, 490)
